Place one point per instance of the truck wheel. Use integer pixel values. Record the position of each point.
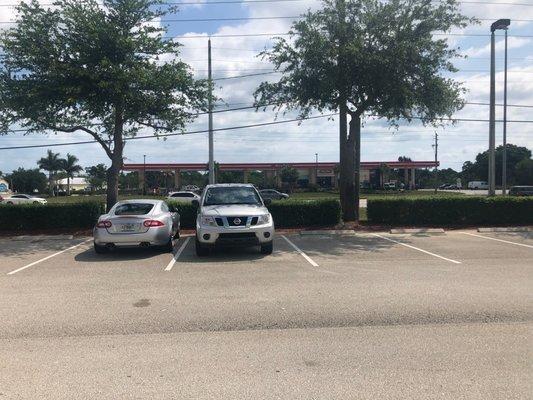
(267, 248)
(201, 250)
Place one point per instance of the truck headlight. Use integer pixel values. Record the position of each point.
(263, 219)
(207, 221)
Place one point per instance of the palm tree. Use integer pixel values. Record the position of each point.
(70, 167)
(51, 163)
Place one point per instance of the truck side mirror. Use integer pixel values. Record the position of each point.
(267, 202)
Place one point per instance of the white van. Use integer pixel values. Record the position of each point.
(482, 185)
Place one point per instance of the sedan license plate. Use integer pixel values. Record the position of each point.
(128, 227)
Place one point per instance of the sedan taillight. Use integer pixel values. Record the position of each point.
(104, 224)
(149, 223)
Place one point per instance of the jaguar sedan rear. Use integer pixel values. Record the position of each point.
(133, 223)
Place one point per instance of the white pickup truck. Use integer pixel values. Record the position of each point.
(22, 199)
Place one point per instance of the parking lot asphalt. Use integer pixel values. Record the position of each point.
(362, 316)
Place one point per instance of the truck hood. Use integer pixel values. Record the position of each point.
(233, 210)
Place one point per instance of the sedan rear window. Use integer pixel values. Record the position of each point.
(133, 209)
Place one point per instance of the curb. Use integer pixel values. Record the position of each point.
(506, 229)
(414, 230)
(328, 232)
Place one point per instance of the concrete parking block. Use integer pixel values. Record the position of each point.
(506, 229)
(416, 230)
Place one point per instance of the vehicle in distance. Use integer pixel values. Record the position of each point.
(273, 194)
(481, 185)
(191, 188)
(183, 196)
(233, 215)
(521, 191)
(133, 223)
(24, 199)
(451, 186)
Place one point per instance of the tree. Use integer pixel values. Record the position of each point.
(478, 170)
(70, 167)
(97, 176)
(366, 58)
(51, 163)
(27, 180)
(524, 172)
(101, 67)
(289, 175)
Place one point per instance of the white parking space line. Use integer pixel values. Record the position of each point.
(418, 249)
(177, 255)
(498, 240)
(46, 258)
(309, 260)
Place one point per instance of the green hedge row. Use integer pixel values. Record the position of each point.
(28, 217)
(83, 215)
(286, 213)
(451, 211)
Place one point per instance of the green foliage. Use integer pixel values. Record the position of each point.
(52, 164)
(31, 217)
(187, 213)
(478, 170)
(450, 211)
(295, 214)
(96, 176)
(524, 172)
(289, 175)
(27, 180)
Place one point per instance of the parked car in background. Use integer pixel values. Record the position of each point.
(521, 191)
(273, 194)
(134, 223)
(233, 215)
(452, 186)
(24, 199)
(191, 188)
(389, 186)
(479, 185)
(183, 196)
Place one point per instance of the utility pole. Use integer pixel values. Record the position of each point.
(210, 99)
(492, 118)
(504, 155)
(436, 147)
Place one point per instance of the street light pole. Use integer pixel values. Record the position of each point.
(504, 155)
(499, 24)
(210, 116)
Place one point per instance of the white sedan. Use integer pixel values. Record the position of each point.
(183, 196)
(24, 199)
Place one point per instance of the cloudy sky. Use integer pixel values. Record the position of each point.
(235, 55)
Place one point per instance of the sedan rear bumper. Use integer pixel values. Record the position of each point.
(153, 237)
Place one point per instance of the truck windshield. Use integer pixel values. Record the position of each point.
(231, 195)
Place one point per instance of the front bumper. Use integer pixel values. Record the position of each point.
(235, 236)
(153, 237)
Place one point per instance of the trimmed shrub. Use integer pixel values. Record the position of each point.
(187, 213)
(28, 217)
(286, 213)
(299, 213)
(451, 211)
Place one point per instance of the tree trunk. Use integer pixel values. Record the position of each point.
(116, 161)
(347, 168)
(68, 185)
(355, 138)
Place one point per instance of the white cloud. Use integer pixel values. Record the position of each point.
(512, 43)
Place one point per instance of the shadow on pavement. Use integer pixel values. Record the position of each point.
(124, 254)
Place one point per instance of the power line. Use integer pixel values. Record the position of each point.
(171, 134)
